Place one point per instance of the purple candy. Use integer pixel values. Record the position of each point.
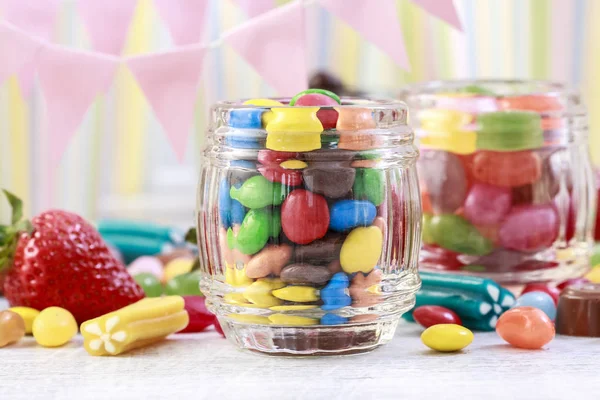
(487, 204)
(529, 228)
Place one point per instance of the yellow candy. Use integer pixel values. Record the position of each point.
(299, 294)
(178, 266)
(237, 277)
(54, 327)
(361, 250)
(250, 319)
(137, 325)
(294, 129)
(234, 298)
(293, 164)
(260, 292)
(292, 320)
(459, 142)
(292, 308)
(28, 314)
(594, 275)
(443, 120)
(267, 115)
(447, 337)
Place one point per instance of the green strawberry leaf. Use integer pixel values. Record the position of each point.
(16, 204)
(192, 236)
(24, 226)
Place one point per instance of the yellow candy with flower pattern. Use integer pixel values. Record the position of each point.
(294, 129)
(292, 320)
(298, 294)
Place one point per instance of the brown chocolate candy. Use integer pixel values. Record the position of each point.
(305, 274)
(578, 312)
(320, 252)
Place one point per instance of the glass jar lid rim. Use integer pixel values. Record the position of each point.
(347, 102)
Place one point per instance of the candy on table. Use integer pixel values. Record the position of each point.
(137, 325)
(54, 327)
(261, 292)
(258, 192)
(508, 169)
(305, 274)
(466, 305)
(28, 314)
(140, 229)
(530, 228)
(364, 290)
(324, 250)
(455, 233)
(230, 211)
(485, 324)
(149, 283)
(304, 216)
(253, 234)
(542, 287)
(525, 328)
(269, 261)
(578, 310)
(294, 129)
(427, 316)
(536, 103)
(447, 337)
(487, 288)
(348, 214)
(177, 267)
(487, 204)
(331, 179)
(147, 265)
(335, 293)
(292, 320)
(297, 294)
(509, 131)
(444, 180)
(361, 249)
(200, 317)
(12, 328)
(319, 97)
(540, 300)
(369, 184)
(184, 285)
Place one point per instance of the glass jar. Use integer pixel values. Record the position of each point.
(309, 222)
(505, 177)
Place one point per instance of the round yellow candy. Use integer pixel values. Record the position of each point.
(28, 314)
(54, 327)
(178, 266)
(292, 320)
(447, 337)
(361, 250)
(293, 164)
(594, 275)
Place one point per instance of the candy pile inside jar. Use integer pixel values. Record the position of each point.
(496, 184)
(302, 224)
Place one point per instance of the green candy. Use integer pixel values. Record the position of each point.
(254, 232)
(230, 239)
(455, 233)
(150, 284)
(427, 236)
(369, 185)
(509, 131)
(476, 89)
(275, 223)
(184, 285)
(258, 192)
(595, 259)
(319, 91)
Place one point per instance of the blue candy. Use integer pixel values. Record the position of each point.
(333, 319)
(335, 294)
(247, 118)
(238, 212)
(348, 214)
(240, 142)
(230, 211)
(540, 300)
(243, 164)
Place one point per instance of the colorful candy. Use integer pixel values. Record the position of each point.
(335, 293)
(269, 261)
(305, 274)
(447, 337)
(578, 310)
(455, 233)
(364, 290)
(509, 131)
(319, 97)
(529, 228)
(294, 129)
(361, 250)
(28, 314)
(12, 328)
(54, 327)
(150, 284)
(200, 317)
(526, 328)
(184, 285)
(427, 316)
(177, 267)
(253, 234)
(443, 177)
(258, 192)
(304, 216)
(348, 214)
(297, 294)
(542, 287)
(369, 184)
(507, 169)
(540, 300)
(137, 325)
(487, 204)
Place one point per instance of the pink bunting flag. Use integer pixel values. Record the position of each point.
(17, 51)
(170, 82)
(254, 8)
(274, 44)
(107, 22)
(70, 81)
(186, 19)
(443, 9)
(377, 23)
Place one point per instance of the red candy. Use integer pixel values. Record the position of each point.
(328, 118)
(529, 228)
(276, 173)
(200, 317)
(509, 169)
(428, 316)
(541, 287)
(268, 157)
(304, 216)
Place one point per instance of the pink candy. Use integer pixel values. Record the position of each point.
(487, 204)
(529, 228)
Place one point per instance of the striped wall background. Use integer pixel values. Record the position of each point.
(120, 151)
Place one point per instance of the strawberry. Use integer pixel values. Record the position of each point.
(59, 259)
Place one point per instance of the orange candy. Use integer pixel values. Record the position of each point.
(526, 328)
(507, 169)
(537, 103)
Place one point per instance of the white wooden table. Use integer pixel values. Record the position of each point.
(204, 365)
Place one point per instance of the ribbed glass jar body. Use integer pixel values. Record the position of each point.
(309, 224)
(505, 178)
